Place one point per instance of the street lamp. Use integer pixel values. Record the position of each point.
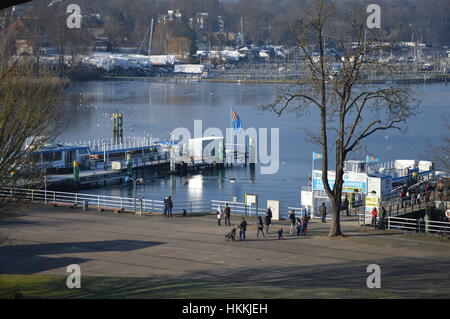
(134, 180)
(45, 189)
(233, 181)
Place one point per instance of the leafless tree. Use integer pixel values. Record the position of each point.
(440, 154)
(30, 116)
(348, 112)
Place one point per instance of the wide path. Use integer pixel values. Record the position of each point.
(45, 240)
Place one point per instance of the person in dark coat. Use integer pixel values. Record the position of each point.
(346, 206)
(280, 233)
(382, 218)
(293, 221)
(260, 227)
(227, 213)
(299, 227)
(243, 228)
(166, 207)
(268, 219)
(323, 212)
(305, 220)
(169, 204)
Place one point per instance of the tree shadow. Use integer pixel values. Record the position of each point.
(28, 259)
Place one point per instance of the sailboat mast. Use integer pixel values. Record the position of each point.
(150, 40)
(242, 32)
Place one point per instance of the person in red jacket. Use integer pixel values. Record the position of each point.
(374, 217)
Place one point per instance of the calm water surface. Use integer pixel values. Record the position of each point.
(157, 108)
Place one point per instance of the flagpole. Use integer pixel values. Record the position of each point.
(231, 117)
(312, 187)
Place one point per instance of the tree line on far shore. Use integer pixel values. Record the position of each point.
(125, 23)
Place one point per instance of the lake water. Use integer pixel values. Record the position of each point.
(157, 108)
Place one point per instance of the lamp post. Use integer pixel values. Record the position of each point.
(233, 181)
(45, 189)
(134, 180)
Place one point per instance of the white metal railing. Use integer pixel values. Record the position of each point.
(237, 208)
(95, 201)
(364, 219)
(107, 144)
(419, 225)
(411, 224)
(102, 201)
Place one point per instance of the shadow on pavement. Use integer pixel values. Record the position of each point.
(28, 259)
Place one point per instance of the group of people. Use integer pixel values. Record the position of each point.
(378, 222)
(299, 224)
(225, 212)
(422, 192)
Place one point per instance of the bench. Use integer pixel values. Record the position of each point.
(116, 210)
(59, 204)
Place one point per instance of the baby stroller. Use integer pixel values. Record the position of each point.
(231, 235)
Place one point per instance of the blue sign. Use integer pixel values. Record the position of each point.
(348, 186)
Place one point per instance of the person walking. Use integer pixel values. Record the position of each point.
(346, 205)
(227, 212)
(280, 233)
(351, 202)
(323, 212)
(260, 227)
(169, 206)
(219, 215)
(374, 217)
(242, 229)
(305, 220)
(268, 219)
(299, 227)
(292, 221)
(166, 207)
(382, 225)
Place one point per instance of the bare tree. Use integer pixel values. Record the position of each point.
(30, 116)
(348, 112)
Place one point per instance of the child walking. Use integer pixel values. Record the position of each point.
(280, 233)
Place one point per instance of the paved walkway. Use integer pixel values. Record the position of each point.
(44, 240)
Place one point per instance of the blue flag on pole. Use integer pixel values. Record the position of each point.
(236, 122)
(317, 156)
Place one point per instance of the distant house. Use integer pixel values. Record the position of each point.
(19, 32)
(24, 47)
(180, 46)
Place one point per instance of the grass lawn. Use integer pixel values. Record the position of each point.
(35, 286)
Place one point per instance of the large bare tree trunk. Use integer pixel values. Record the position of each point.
(335, 229)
